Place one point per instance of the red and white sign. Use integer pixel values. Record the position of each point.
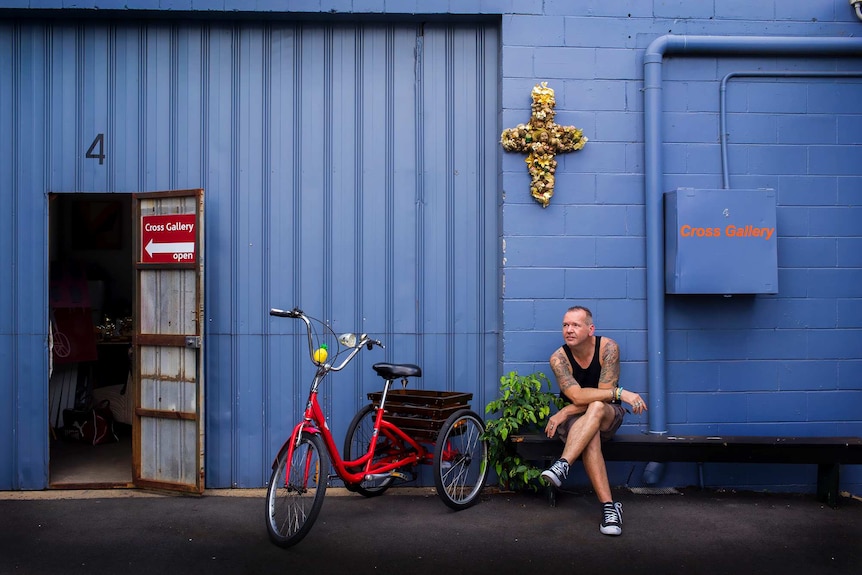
(168, 239)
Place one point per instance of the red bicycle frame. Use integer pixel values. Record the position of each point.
(314, 422)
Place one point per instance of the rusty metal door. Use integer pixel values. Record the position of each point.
(168, 435)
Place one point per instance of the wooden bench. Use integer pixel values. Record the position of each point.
(828, 453)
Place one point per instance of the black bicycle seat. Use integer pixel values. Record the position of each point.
(393, 370)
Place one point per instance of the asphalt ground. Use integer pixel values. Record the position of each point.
(411, 531)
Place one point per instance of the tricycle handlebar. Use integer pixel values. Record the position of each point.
(297, 313)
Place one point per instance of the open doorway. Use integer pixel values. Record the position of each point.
(92, 285)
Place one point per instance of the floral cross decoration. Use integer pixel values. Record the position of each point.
(542, 139)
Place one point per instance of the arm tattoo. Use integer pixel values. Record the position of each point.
(563, 371)
(610, 374)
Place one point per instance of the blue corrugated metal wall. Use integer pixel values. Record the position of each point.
(347, 169)
(789, 363)
(390, 227)
(23, 289)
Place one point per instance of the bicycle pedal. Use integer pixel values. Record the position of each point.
(403, 476)
(377, 476)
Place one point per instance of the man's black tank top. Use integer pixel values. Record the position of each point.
(588, 377)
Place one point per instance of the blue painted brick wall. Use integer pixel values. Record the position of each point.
(747, 364)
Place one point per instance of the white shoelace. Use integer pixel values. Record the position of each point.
(613, 515)
(561, 469)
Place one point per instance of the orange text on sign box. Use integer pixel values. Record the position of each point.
(168, 239)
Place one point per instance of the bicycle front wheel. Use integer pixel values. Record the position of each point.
(356, 443)
(296, 489)
(460, 460)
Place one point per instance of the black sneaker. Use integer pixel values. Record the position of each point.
(557, 472)
(612, 519)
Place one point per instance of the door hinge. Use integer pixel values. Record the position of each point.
(193, 341)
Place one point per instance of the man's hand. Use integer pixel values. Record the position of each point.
(554, 422)
(635, 400)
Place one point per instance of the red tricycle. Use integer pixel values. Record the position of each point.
(386, 440)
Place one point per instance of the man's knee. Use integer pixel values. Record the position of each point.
(597, 409)
(597, 406)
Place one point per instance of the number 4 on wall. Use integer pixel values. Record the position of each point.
(98, 143)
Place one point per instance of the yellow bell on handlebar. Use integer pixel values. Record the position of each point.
(320, 354)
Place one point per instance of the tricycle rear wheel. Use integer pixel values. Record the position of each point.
(461, 460)
(356, 444)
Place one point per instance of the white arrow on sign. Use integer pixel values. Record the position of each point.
(169, 248)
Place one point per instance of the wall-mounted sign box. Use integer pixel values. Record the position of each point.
(720, 242)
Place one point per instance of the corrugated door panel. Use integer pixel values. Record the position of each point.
(156, 110)
(488, 364)
(28, 239)
(65, 126)
(257, 134)
(189, 130)
(23, 289)
(125, 143)
(93, 47)
(10, 462)
(390, 227)
(8, 87)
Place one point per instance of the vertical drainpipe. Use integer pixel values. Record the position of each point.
(654, 208)
(654, 193)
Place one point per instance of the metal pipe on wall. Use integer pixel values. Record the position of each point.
(653, 200)
(722, 107)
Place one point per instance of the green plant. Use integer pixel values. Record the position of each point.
(524, 405)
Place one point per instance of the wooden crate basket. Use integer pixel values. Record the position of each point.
(421, 413)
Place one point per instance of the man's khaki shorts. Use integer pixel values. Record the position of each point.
(619, 413)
